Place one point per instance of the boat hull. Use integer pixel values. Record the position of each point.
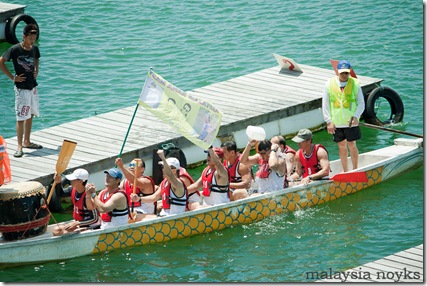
(380, 165)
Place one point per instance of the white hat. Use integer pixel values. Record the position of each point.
(172, 161)
(78, 174)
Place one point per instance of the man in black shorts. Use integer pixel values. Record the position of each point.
(342, 106)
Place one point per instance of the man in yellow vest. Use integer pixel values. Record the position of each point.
(342, 106)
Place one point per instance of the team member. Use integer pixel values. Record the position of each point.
(286, 151)
(112, 202)
(172, 190)
(144, 186)
(85, 214)
(271, 172)
(311, 160)
(214, 180)
(240, 175)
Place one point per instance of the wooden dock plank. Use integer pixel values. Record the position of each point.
(100, 138)
(403, 266)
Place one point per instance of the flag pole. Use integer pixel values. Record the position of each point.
(131, 121)
(127, 133)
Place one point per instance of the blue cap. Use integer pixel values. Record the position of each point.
(343, 66)
(115, 173)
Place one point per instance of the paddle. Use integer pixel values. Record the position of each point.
(389, 129)
(137, 163)
(64, 157)
(359, 177)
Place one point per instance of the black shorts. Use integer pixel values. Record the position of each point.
(351, 134)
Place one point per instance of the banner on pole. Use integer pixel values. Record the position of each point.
(196, 119)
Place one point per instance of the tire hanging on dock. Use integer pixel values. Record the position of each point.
(371, 109)
(12, 23)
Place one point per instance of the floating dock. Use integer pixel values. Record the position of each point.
(281, 101)
(7, 11)
(405, 266)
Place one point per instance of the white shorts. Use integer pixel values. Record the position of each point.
(26, 103)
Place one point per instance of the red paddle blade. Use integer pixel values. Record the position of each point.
(350, 177)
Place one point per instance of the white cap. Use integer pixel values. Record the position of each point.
(172, 161)
(78, 174)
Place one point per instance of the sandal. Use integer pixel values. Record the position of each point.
(18, 153)
(33, 146)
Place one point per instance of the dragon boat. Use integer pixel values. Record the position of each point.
(376, 166)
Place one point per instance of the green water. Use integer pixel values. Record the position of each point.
(95, 56)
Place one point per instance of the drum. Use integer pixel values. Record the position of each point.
(21, 212)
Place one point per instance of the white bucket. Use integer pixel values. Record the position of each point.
(255, 132)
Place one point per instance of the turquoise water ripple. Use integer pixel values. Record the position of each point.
(96, 54)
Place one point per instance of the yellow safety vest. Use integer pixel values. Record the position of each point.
(343, 104)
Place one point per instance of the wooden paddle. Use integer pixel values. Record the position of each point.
(137, 163)
(359, 177)
(64, 157)
(389, 129)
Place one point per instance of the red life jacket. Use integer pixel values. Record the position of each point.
(106, 217)
(263, 169)
(79, 209)
(310, 164)
(128, 186)
(183, 173)
(167, 199)
(289, 149)
(233, 170)
(210, 185)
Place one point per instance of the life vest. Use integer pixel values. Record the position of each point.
(79, 210)
(263, 169)
(310, 164)
(106, 217)
(210, 185)
(5, 173)
(343, 103)
(289, 149)
(128, 186)
(169, 198)
(183, 173)
(233, 170)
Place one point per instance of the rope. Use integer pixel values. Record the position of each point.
(24, 226)
(34, 223)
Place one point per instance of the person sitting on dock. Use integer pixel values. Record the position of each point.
(85, 214)
(271, 172)
(214, 179)
(172, 190)
(112, 202)
(311, 160)
(240, 175)
(342, 105)
(287, 151)
(144, 186)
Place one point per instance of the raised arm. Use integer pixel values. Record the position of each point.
(177, 185)
(246, 158)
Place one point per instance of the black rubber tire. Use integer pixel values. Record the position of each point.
(393, 99)
(12, 23)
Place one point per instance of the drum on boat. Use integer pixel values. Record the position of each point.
(21, 212)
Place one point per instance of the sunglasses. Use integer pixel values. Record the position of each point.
(132, 165)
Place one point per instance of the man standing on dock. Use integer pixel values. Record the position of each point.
(342, 106)
(25, 57)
